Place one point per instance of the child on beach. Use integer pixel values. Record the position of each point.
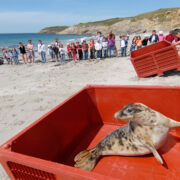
(92, 49)
(133, 44)
(123, 45)
(15, 56)
(79, 50)
(99, 37)
(51, 52)
(161, 37)
(85, 49)
(30, 48)
(98, 47)
(74, 51)
(9, 54)
(69, 51)
(62, 52)
(22, 50)
(139, 42)
(104, 46)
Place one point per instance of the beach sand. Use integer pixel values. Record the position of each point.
(29, 91)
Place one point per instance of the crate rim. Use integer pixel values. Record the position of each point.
(87, 87)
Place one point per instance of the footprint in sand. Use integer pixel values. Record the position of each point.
(18, 123)
(37, 100)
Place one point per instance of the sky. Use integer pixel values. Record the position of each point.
(22, 16)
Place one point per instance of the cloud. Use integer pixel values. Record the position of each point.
(34, 21)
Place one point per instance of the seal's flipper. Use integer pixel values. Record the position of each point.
(154, 151)
(173, 124)
(147, 142)
(86, 159)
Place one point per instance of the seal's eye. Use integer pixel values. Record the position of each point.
(129, 110)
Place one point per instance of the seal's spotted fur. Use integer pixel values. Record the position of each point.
(146, 132)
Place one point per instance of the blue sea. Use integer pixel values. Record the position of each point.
(12, 40)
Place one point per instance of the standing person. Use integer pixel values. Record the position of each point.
(110, 34)
(105, 47)
(22, 50)
(15, 56)
(111, 45)
(42, 51)
(79, 50)
(74, 51)
(99, 37)
(139, 42)
(154, 37)
(69, 51)
(98, 47)
(51, 52)
(113, 37)
(56, 52)
(62, 52)
(173, 36)
(56, 42)
(133, 44)
(161, 36)
(123, 45)
(10, 56)
(30, 48)
(85, 49)
(92, 49)
(6, 55)
(145, 41)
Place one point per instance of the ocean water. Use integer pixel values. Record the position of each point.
(12, 40)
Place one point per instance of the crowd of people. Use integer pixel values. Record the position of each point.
(97, 48)
(138, 43)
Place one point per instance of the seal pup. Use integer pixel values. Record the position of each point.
(144, 134)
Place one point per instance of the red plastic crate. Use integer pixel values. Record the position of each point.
(45, 150)
(155, 59)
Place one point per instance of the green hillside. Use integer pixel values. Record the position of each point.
(158, 14)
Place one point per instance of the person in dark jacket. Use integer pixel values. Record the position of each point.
(145, 41)
(154, 37)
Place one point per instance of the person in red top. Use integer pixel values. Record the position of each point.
(85, 50)
(92, 49)
(69, 51)
(74, 51)
(79, 49)
(173, 36)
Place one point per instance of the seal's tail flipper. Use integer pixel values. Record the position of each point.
(86, 159)
(173, 124)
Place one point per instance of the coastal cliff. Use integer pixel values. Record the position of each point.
(162, 19)
(53, 29)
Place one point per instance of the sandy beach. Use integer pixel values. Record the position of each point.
(29, 91)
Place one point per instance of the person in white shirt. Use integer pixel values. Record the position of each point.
(98, 47)
(100, 38)
(42, 51)
(104, 46)
(62, 52)
(123, 45)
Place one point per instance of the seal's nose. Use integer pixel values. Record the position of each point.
(116, 115)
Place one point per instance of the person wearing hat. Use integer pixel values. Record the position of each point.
(161, 36)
